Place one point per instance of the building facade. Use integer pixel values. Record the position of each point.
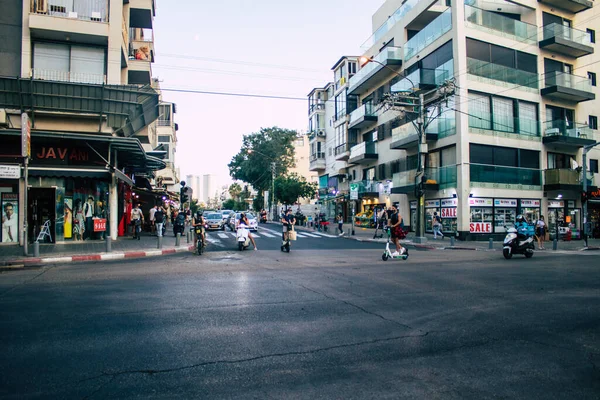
(81, 79)
(507, 140)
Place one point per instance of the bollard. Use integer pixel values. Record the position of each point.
(178, 240)
(491, 246)
(108, 244)
(555, 244)
(36, 249)
(451, 241)
(159, 244)
(188, 236)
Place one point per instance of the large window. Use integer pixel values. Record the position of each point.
(70, 63)
(504, 156)
(503, 114)
(499, 55)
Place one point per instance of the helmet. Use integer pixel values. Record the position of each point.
(520, 218)
(199, 213)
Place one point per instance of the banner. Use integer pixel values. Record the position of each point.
(68, 217)
(10, 218)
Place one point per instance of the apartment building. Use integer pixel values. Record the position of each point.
(510, 139)
(78, 73)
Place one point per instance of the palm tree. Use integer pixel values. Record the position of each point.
(235, 190)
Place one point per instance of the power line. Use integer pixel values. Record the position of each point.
(262, 96)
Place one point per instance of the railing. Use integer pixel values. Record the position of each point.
(505, 175)
(501, 123)
(504, 26)
(340, 114)
(564, 32)
(368, 186)
(563, 79)
(433, 31)
(317, 156)
(141, 35)
(442, 127)
(404, 178)
(445, 177)
(318, 106)
(498, 72)
(562, 176)
(403, 131)
(389, 53)
(424, 76)
(86, 10)
(363, 148)
(366, 110)
(66, 76)
(387, 25)
(562, 128)
(165, 122)
(343, 148)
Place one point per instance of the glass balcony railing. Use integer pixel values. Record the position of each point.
(404, 131)
(428, 35)
(375, 38)
(501, 25)
(343, 148)
(567, 80)
(424, 77)
(86, 10)
(503, 123)
(366, 110)
(442, 127)
(562, 176)
(404, 178)
(564, 32)
(445, 177)
(363, 148)
(505, 175)
(368, 186)
(563, 128)
(389, 53)
(496, 72)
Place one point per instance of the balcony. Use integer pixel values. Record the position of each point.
(367, 188)
(440, 128)
(505, 177)
(566, 179)
(363, 153)
(83, 10)
(342, 152)
(66, 76)
(404, 137)
(433, 31)
(316, 107)
(141, 13)
(404, 182)
(423, 79)
(501, 125)
(494, 74)
(139, 72)
(400, 12)
(560, 133)
(438, 178)
(363, 116)
(567, 87)
(317, 162)
(500, 25)
(568, 41)
(141, 44)
(573, 6)
(373, 73)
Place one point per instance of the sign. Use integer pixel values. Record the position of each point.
(505, 202)
(480, 202)
(432, 204)
(99, 224)
(25, 135)
(449, 202)
(571, 204)
(10, 172)
(413, 205)
(449, 212)
(354, 191)
(556, 204)
(530, 203)
(480, 227)
(10, 217)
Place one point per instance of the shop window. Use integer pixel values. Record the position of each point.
(594, 166)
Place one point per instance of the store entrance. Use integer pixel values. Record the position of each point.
(42, 208)
(556, 220)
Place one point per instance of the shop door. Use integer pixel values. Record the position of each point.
(42, 208)
(556, 219)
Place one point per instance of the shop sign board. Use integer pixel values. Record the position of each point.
(354, 191)
(449, 202)
(480, 227)
(571, 204)
(10, 217)
(449, 212)
(10, 172)
(25, 135)
(432, 204)
(505, 202)
(556, 204)
(530, 203)
(99, 224)
(480, 202)
(413, 205)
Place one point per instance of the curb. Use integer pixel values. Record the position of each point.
(39, 261)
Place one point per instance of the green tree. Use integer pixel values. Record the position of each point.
(194, 206)
(288, 189)
(234, 191)
(253, 162)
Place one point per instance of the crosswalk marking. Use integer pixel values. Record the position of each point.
(267, 234)
(310, 235)
(216, 242)
(223, 235)
(255, 235)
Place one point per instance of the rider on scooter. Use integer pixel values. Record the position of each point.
(288, 222)
(244, 220)
(198, 221)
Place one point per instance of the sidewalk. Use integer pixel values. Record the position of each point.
(93, 250)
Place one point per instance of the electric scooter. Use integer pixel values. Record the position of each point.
(516, 242)
(242, 237)
(387, 253)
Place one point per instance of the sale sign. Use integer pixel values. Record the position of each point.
(448, 212)
(99, 224)
(480, 227)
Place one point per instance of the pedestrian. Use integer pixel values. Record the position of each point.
(152, 219)
(340, 222)
(540, 231)
(159, 219)
(78, 222)
(381, 222)
(396, 225)
(137, 218)
(436, 223)
(88, 213)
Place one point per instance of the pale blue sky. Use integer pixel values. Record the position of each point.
(270, 47)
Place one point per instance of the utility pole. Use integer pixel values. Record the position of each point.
(586, 224)
(273, 207)
(420, 175)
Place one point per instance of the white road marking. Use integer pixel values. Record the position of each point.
(267, 234)
(310, 235)
(223, 235)
(214, 241)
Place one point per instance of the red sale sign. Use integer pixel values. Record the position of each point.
(99, 224)
(480, 227)
(448, 212)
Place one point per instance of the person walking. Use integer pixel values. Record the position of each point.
(287, 224)
(436, 223)
(88, 213)
(78, 222)
(102, 213)
(137, 218)
(540, 231)
(152, 220)
(159, 220)
(396, 225)
(340, 222)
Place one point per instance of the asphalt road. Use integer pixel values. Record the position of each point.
(328, 320)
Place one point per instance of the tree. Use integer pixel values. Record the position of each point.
(253, 162)
(288, 189)
(194, 206)
(229, 204)
(234, 191)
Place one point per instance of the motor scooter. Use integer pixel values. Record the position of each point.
(242, 237)
(517, 242)
(263, 217)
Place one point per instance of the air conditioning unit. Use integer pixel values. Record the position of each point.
(321, 133)
(552, 131)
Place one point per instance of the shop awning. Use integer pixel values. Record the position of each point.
(97, 173)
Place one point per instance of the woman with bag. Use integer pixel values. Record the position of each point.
(540, 231)
(396, 224)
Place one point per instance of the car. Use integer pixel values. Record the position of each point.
(230, 221)
(226, 215)
(214, 220)
(251, 220)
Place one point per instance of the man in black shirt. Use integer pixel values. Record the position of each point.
(288, 222)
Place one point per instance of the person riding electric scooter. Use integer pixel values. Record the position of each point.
(198, 223)
(288, 222)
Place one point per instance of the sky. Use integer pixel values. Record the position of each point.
(258, 47)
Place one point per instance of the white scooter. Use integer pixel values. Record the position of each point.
(242, 237)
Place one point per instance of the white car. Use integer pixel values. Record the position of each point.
(214, 221)
(225, 215)
(252, 221)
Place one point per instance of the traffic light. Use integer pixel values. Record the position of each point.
(183, 196)
(584, 197)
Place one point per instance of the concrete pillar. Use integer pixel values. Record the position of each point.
(115, 42)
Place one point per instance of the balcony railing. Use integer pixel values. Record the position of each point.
(387, 54)
(424, 78)
(363, 148)
(404, 178)
(314, 107)
(502, 123)
(86, 10)
(445, 177)
(442, 127)
(563, 79)
(343, 148)
(165, 122)
(501, 25)
(389, 24)
(317, 156)
(505, 175)
(366, 110)
(564, 32)
(368, 186)
(429, 34)
(496, 72)
(562, 176)
(562, 128)
(66, 76)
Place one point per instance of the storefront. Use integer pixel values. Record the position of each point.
(481, 216)
(448, 214)
(10, 228)
(489, 217)
(505, 214)
(531, 209)
(564, 220)
(431, 206)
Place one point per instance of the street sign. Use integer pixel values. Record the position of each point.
(10, 172)
(354, 191)
(25, 135)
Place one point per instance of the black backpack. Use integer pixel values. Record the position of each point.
(159, 216)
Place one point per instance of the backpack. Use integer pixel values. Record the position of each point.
(159, 216)
(438, 219)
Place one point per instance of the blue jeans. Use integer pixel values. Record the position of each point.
(437, 231)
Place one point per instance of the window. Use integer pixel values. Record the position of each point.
(62, 62)
(593, 122)
(479, 111)
(164, 139)
(594, 166)
(504, 156)
(592, 78)
(503, 114)
(592, 34)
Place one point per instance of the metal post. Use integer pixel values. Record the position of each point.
(26, 208)
(159, 244)
(452, 241)
(108, 243)
(491, 245)
(555, 244)
(353, 233)
(178, 239)
(420, 231)
(36, 249)
(273, 207)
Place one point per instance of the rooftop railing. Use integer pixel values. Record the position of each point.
(86, 10)
(388, 24)
(501, 25)
(433, 31)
